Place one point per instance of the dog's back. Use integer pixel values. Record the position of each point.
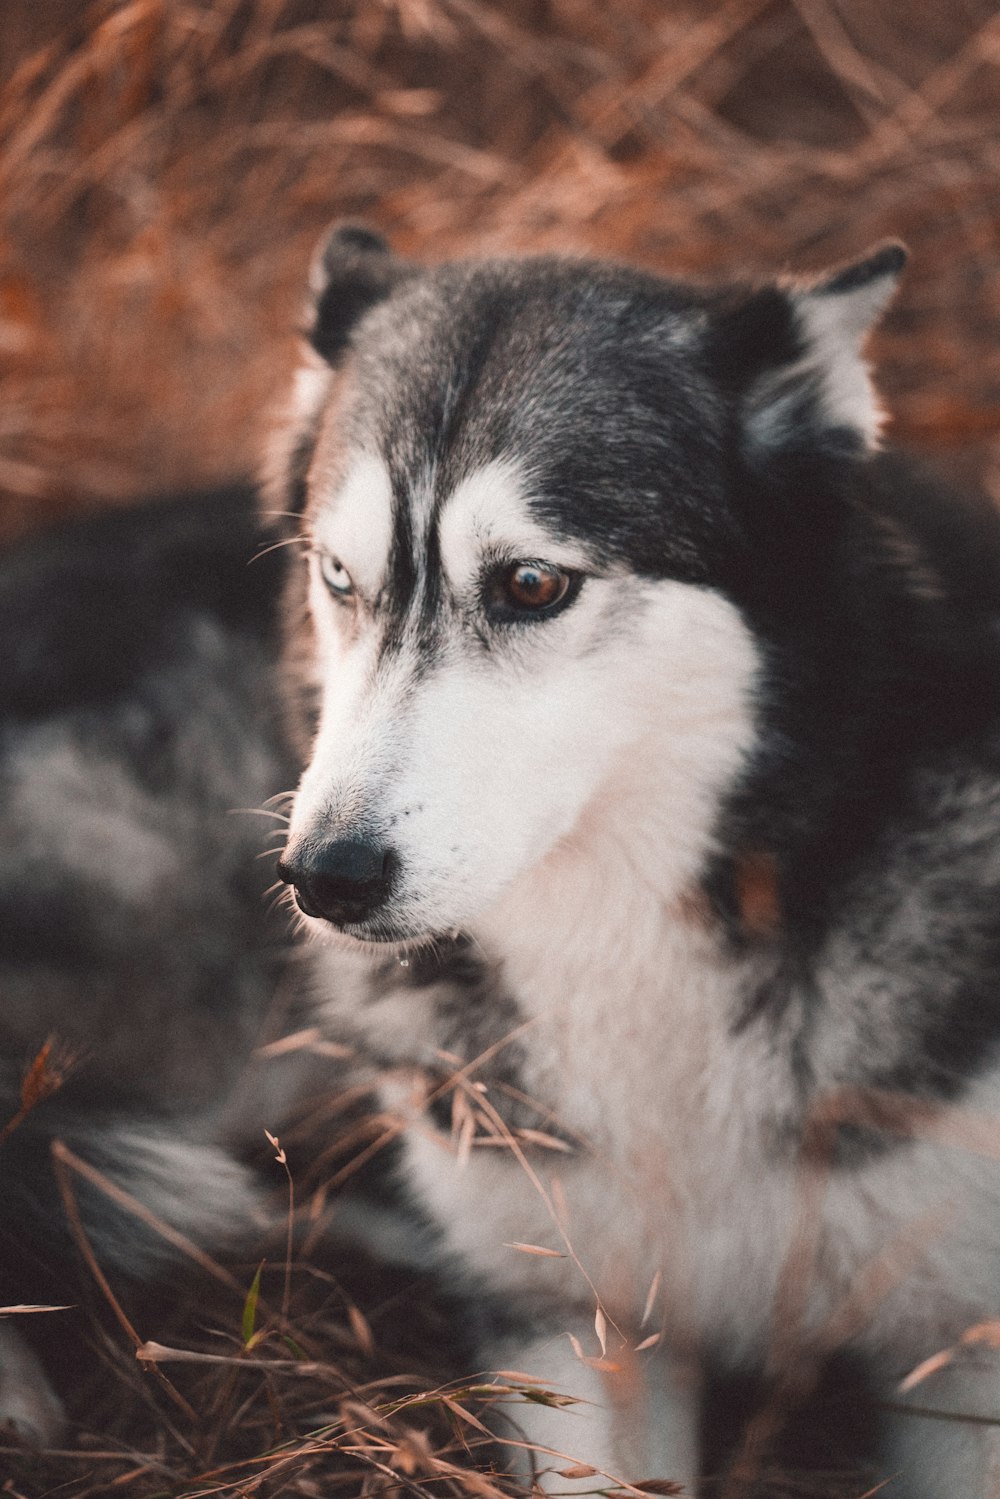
(138, 956)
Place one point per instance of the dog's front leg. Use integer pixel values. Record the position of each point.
(629, 1416)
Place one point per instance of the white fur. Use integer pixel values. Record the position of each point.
(629, 1041)
(310, 388)
(555, 797)
(30, 1410)
(354, 522)
(638, 690)
(835, 339)
(194, 1186)
(487, 513)
(834, 326)
(618, 1422)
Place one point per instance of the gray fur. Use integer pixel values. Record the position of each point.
(138, 732)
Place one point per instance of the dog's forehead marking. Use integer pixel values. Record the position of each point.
(355, 522)
(489, 511)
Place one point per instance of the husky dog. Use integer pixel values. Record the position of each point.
(652, 814)
(138, 716)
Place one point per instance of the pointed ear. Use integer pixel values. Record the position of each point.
(353, 268)
(816, 392)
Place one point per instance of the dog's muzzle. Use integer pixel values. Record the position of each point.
(342, 882)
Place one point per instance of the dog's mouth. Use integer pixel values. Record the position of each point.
(414, 954)
(382, 937)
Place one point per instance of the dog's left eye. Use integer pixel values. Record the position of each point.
(335, 576)
(530, 588)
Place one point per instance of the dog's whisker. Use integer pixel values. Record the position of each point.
(258, 812)
(275, 546)
(279, 796)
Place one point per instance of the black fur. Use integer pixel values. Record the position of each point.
(355, 269)
(139, 713)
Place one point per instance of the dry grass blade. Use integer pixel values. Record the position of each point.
(983, 1334)
(925, 1369)
(21, 1311)
(601, 1329)
(657, 1486)
(361, 1329)
(552, 1254)
(282, 1159)
(158, 1353)
(45, 1075)
(651, 1295)
(545, 1140)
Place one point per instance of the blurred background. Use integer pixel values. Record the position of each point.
(167, 165)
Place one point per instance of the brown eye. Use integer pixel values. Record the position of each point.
(532, 586)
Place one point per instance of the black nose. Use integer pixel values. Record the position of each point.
(342, 882)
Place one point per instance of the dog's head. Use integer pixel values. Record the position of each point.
(532, 494)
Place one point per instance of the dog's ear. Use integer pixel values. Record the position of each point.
(352, 269)
(804, 384)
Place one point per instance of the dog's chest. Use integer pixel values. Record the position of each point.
(616, 1038)
(591, 1092)
(589, 1098)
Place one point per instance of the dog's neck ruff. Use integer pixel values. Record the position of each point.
(604, 917)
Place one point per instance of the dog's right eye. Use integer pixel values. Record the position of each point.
(531, 590)
(335, 576)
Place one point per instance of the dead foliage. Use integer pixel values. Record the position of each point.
(315, 1370)
(166, 166)
(45, 1075)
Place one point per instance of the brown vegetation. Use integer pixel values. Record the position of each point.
(167, 165)
(316, 1371)
(165, 168)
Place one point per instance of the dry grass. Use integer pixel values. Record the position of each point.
(167, 164)
(316, 1371)
(165, 168)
